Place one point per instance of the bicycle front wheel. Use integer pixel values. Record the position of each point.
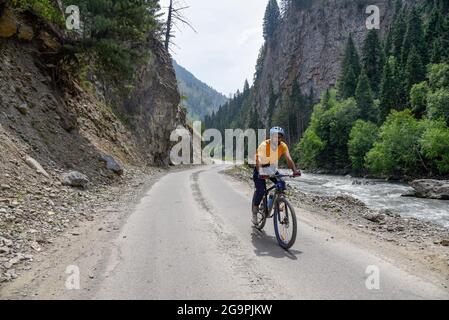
(285, 224)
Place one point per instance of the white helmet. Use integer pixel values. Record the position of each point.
(277, 130)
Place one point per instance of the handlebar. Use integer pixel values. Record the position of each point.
(279, 176)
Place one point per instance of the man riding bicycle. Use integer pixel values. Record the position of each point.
(267, 158)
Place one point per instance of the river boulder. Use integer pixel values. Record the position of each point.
(431, 189)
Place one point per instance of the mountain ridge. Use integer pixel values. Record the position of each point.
(200, 98)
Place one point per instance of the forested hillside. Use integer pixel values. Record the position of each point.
(199, 99)
(383, 108)
(388, 114)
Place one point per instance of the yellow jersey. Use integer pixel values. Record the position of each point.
(267, 156)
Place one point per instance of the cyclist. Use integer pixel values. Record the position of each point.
(267, 158)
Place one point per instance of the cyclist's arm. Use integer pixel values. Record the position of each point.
(290, 162)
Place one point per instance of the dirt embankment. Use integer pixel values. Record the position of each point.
(52, 124)
(422, 241)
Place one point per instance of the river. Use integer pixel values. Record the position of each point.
(377, 194)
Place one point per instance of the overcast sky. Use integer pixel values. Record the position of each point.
(224, 50)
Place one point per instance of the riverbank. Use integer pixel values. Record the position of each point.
(426, 242)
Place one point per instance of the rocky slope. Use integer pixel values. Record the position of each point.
(68, 127)
(51, 125)
(309, 43)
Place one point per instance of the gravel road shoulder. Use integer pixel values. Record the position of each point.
(84, 242)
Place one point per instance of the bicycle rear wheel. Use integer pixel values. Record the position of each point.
(262, 215)
(285, 224)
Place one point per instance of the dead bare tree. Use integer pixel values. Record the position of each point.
(175, 16)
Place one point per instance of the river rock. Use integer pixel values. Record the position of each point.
(112, 164)
(75, 179)
(376, 217)
(4, 250)
(431, 189)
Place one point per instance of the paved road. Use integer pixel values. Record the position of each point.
(190, 238)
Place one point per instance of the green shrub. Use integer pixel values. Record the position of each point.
(307, 152)
(435, 145)
(325, 142)
(418, 98)
(438, 105)
(44, 8)
(361, 140)
(398, 151)
(438, 75)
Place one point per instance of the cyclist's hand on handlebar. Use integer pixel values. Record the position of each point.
(297, 173)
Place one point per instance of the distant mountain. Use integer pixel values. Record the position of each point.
(200, 99)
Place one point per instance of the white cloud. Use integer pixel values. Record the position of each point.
(224, 51)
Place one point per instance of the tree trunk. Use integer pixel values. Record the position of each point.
(169, 25)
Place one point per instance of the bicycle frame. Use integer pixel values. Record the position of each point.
(278, 193)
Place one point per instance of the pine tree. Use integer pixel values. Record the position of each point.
(300, 110)
(254, 120)
(433, 27)
(115, 33)
(272, 19)
(438, 52)
(399, 29)
(414, 37)
(364, 98)
(285, 7)
(444, 39)
(373, 60)
(350, 71)
(389, 94)
(415, 72)
(443, 6)
(246, 87)
(326, 100)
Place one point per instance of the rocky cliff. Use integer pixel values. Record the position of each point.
(308, 45)
(65, 126)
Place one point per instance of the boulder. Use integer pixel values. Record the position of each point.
(431, 189)
(23, 108)
(49, 41)
(112, 164)
(25, 33)
(74, 179)
(8, 24)
(33, 164)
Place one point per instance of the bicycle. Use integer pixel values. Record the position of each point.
(281, 210)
